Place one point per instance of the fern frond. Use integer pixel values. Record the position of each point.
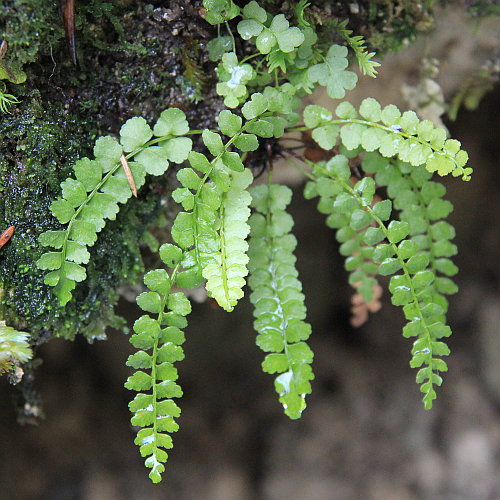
(403, 248)
(389, 132)
(159, 341)
(357, 43)
(226, 274)
(420, 203)
(14, 347)
(277, 296)
(212, 228)
(100, 185)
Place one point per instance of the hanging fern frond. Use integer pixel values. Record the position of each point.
(278, 299)
(389, 132)
(226, 274)
(395, 251)
(420, 203)
(100, 185)
(14, 347)
(212, 227)
(159, 341)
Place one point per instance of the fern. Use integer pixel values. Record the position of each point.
(100, 185)
(159, 342)
(14, 347)
(406, 246)
(213, 226)
(278, 299)
(403, 236)
(391, 133)
(226, 274)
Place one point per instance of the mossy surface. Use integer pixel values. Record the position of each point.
(39, 150)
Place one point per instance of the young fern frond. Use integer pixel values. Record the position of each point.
(159, 341)
(226, 274)
(389, 132)
(397, 247)
(14, 347)
(213, 226)
(357, 43)
(278, 299)
(100, 185)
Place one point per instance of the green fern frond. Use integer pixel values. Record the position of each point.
(391, 133)
(212, 227)
(357, 43)
(226, 274)
(100, 185)
(402, 247)
(159, 341)
(278, 299)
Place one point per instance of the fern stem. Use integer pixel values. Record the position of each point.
(294, 164)
(231, 35)
(224, 257)
(247, 58)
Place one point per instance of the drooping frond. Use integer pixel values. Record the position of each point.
(278, 299)
(158, 339)
(92, 197)
(411, 248)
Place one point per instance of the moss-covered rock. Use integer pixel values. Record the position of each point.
(133, 60)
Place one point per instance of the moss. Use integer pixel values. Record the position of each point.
(29, 27)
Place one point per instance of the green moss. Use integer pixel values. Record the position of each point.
(29, 27)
